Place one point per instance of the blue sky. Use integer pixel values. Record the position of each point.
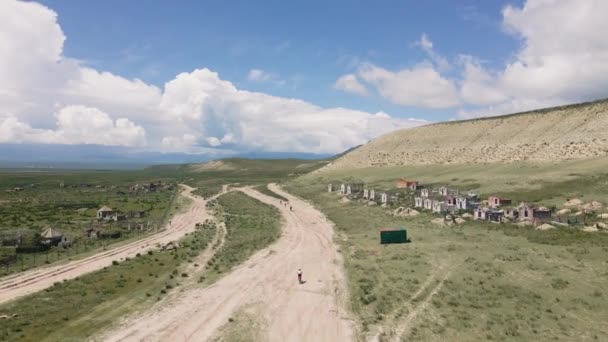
(309, 44)
(224, 77)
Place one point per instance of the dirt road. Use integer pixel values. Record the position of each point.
(32, 281)
(311, 311)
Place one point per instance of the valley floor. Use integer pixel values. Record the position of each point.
(21, 284)
(264, 288)
(478, 281)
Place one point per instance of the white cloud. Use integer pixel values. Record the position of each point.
(565, 50)
(261, 76)
(350, 83)
(426, 45)
(563, 59)
(478, 86)
(76, 125)
(420, 86)
(216, 108)
(258, 75)
(46, 97)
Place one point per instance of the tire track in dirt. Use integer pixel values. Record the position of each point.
(394, 327)
(32, 281)
(405, 327)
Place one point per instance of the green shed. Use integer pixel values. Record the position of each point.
(393, 235)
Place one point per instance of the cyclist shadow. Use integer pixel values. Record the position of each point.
(303, 282)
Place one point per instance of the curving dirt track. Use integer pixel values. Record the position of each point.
(311, 311)
(32, 281)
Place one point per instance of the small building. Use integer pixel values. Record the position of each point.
(512, 213)
(365, 193)
(495, 201)
(330, 187)
(428, 204)
(384, 198)
(462, 203)
(403, 183)
(541, 213)
(494, 215)
(418, 202)
(104, 212)
(51, 236)
(531, 213)
(372, 195)
(393, 235)
(480, 213)
(354, 188)
(343, 189)
(439, 207)
(424, 192)
(451, 200)
(443, 191)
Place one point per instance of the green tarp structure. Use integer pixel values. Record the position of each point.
(393, 235)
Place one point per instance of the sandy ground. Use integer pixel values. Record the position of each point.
(312, 311)
(21, 284)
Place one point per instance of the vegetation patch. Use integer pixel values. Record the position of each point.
(505, 282)
(74, 310)
(251, 225)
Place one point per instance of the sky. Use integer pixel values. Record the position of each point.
(223, 77)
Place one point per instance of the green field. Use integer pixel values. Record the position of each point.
(478, 281)
(67, 201)
(76, 309)
(251, 225)
(551, 183)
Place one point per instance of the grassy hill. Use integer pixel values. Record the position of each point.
(552, 134)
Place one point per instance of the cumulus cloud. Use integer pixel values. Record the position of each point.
(563, 59)
(76, 125)
(350, 83)
(421, 86)
(46, 97)
(204, 105)
(479, 86)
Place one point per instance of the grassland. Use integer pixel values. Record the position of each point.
(478, 281)
(551, 183)
(76, 309)
(67, 200)
(251, 225)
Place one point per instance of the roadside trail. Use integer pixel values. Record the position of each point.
(35, 280)
(294, 312)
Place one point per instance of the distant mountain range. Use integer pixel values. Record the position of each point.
(110, 157)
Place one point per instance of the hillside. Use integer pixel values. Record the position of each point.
(561, 133)
(263, 166)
